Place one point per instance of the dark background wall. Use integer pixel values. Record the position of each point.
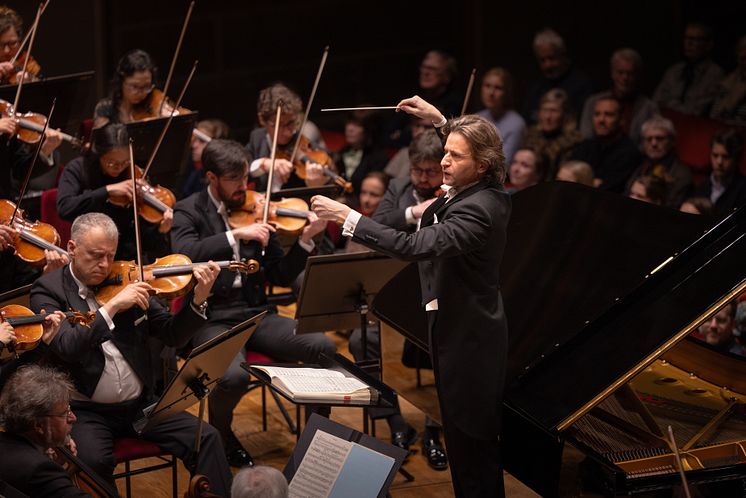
(375, 46)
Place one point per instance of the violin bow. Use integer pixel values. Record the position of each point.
(28, 34)
(168, 122)
(469, 88)
(138, 246)
(273, 157)
(310, 102)
(176, 55)
(25, 61)
(677, 457)
(26, 180)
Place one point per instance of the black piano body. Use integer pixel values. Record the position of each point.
(601, 294)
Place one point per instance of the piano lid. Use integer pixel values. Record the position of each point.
(589, 304)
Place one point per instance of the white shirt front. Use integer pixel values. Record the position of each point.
(118, 382)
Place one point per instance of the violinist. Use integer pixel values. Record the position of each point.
(192, 177)
(260, 141)
(131, 91)
(15, 273)
(34, 426)
(109, 361)
(11, 34)
(202, 232)
(88, 182)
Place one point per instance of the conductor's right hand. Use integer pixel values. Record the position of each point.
(256, 231)
(135, 294)
(421, 108)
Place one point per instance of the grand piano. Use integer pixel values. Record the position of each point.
(602, 294)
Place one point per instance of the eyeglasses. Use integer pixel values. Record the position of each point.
(10, 45)
(430, 173)
(67, 413)
(138, 88)
(116, 164)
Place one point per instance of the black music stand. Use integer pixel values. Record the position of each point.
(338, 290)
(202, 369)
(173, 152)
(319, 423)
(74, 94)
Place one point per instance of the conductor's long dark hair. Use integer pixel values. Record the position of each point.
(132, 62)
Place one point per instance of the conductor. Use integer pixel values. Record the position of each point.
(458, 249)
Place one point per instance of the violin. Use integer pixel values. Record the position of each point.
(32, 67)
(171, 276)
(31, 239)
(155, 200)
(31, 125)
(288, 215)
(148, 108)
(307, 154)
(82, 476)
(199, 487)
(28, 326)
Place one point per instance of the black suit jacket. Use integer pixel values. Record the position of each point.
(733, 197)
(391, 211)
(612, 161)
(30, 471)
(199, 232)
(459, 260)
(79, 347)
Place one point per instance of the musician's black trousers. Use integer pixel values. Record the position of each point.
(476, 466)
(99, 425)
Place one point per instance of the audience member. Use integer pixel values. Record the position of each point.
(36, 417)
(399, 165)
(730, 103)
(626, 73)
(359, 156)
(259, 481)
(527, 169)
(610, 152)
(438, 71)
(556, 72)
(497, 98)
(649, 188)
(697, 205)
(192, 176)
(554, 135)
(576, 172)
(725, 187)
(690, 86)
(718, 330)
(660, 160)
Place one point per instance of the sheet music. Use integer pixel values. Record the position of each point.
(315, 380)
(320, 467)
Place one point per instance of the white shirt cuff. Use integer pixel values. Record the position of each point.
(256, 167)
(442, 122)
(348, 228)
(411, 220)
(107, 318)
(47, 159)
(196, 309)
(307, 246)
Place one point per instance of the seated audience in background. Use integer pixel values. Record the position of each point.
(554, 135)
(690, 86)
(730, 103)
(36, 418)
(636, 108)
(611, 153)
(649, 188)
(718, 330)
(576, 172)
(497, 97)
(259, 481)
(725, 187)
(557, 71)
(526, 170)
(192, 176)
(697, 205)
(659, 159)
(436, 84)
(359, 156)
(398, 166)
